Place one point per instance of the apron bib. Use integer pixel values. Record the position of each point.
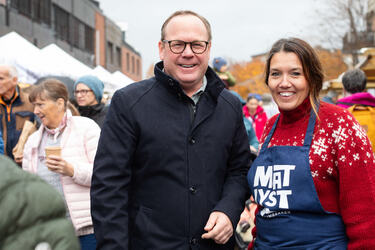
(291, 215)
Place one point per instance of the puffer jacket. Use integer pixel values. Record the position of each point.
(79, 142)
(32, 212)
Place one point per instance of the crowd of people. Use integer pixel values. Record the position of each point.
(172, 161)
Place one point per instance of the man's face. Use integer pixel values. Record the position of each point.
(7, 83)
(187, 68)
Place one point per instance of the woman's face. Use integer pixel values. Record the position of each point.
(49, 112)
(286, 81)
(252, 105)
(84, 95)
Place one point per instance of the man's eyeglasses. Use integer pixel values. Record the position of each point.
(178, 46)
(82, 92)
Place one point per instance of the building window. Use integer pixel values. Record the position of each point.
(42, 11)
(118, 56)
(74, 31)
(89, 39)
(127, 62)
(61, 23)
(23, 6)
(110, 52)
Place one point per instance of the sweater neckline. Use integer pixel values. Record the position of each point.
(290, 117)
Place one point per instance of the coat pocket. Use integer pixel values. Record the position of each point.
(140, 232)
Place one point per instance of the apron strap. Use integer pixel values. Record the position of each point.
(310, 127)
(309, 131)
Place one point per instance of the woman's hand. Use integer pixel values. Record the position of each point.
(59, 165)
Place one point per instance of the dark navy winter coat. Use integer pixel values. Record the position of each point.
(161, 169)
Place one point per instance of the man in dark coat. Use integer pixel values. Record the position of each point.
(170, 170)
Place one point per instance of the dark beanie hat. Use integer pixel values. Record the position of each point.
(94, 83)
(218, 62)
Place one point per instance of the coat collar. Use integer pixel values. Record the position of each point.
(214, 83)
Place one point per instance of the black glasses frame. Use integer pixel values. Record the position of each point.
(185, 43)
(82, 92)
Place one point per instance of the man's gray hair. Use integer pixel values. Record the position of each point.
(12, 71)
(354, 81)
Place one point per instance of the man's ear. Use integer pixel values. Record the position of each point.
(161, 46)
(15, 80)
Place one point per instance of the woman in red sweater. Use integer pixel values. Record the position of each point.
(255, 114)
(314, 178)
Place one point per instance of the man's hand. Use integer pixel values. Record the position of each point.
(219, 228)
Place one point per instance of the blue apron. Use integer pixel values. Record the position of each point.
(291, 216)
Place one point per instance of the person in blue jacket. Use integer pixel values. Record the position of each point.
(1, 143)
(170, 169)
(253, 140)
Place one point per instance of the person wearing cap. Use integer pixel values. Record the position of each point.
(221, 69)
(88, 91)
(255, 113)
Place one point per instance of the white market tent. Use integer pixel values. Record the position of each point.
(122, 80)
(66, 65)
(33, 63)
(19, 52)
(108, 79)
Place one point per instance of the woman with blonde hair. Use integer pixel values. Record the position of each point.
(75, 139)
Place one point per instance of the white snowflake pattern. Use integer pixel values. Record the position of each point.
(295, 143)
(341, 120)
(324, 157)
(329, 170)
(353, 144)
(315, 173)
(356, 156)
(368, 154)
(359, 132)
(349, 117)
(333, 151)
(342, 158)
(311, 162)
(322, 131)
(339, 134)
(330, 140)
(330, 124)
(319, 146)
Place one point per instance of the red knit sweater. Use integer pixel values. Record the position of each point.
(342, 165)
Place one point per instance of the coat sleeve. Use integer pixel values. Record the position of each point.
(83, 169)
(356, 168)
(26, 160)
(112, 175)
(235, 190)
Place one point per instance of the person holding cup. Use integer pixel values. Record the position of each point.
(62, 153)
